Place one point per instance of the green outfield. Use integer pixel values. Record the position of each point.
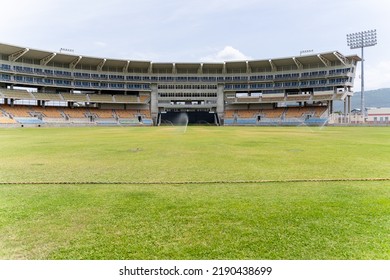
(137, 193)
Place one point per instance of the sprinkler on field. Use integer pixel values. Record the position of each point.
(182, 122)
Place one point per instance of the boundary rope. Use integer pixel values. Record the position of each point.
(198, 182)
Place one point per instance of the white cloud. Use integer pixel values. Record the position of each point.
(227, 54)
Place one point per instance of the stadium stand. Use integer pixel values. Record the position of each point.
(29, 121)
(298, 97)
(6, 120)
(46, 112)
(100, 98)
(74, 97)
(247, 99)
(246, 113)
(145, 113)
(319, 111)
(16, 110)
(229, 113)
(144, 98)
(75, 113)
(126, 99)
(102, 113)
(125, 114)
(16, 94)
(273, 113)
(295, 112)
(47, 96)
(242, 92)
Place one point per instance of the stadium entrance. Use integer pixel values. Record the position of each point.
(181, 117)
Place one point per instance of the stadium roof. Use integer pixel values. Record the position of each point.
(16, 53)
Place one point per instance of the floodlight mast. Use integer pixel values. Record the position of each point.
(361, 40)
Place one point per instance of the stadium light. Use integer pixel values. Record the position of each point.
(66, 50)
(362, 40)
(305, 51)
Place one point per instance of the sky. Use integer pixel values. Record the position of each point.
(201, 30)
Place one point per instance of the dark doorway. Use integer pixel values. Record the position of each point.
(193, 117)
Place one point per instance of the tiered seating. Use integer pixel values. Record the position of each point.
(48, 96)
(247, 113)
(319, 111)
(298, 97)
(272, 97)
(273, 113)
(74, 97)
(126, 114)
(35, 115)
(229, 113)
(126, 99)
(251, 121)
(144, 98)
(145, 113)
(296, 112)
(103, 116)
(17, 110)
(248, 99)
(5, 120)
(322, 97)
(29, 121)
(101, 98)
(102, 113)
(17, 94)
(48, 112)
(246, 117)
(78, 113)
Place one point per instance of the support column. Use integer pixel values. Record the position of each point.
(349, 108)
(220, 102)
(330, 105)
(154, 103)
(345, 111)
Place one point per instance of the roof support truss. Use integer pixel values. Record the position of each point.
(101, 64)
(248, 68)
(75, 62)
(44, 61)
(16, 55)
(298, 63)
(273, 66)
(325, 61)
(126, 67)
(342, 58)
(200, 69)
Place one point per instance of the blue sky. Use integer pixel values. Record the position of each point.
(201, 30)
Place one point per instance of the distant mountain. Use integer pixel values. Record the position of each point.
(372, 98)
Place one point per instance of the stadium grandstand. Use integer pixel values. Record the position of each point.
(48, 88)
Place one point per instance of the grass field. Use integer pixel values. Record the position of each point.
(176, 220)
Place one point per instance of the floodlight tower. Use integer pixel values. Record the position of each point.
(361, 40)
